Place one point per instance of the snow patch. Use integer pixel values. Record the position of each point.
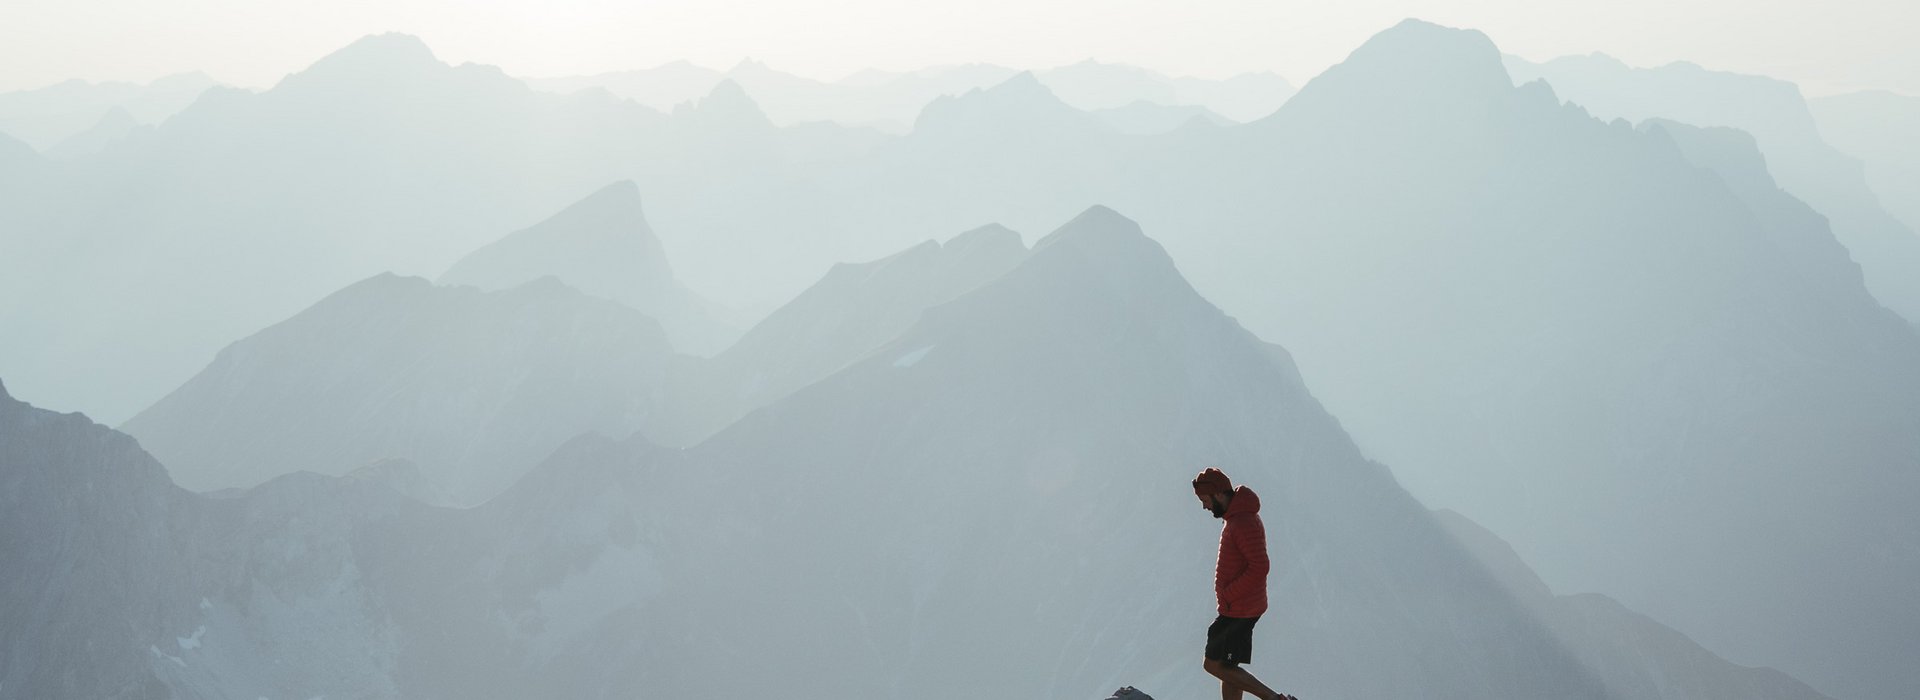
(193, 642)
(912, 358)
(158, 654)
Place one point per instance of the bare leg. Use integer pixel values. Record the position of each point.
(1228, 692)
(1235, 680)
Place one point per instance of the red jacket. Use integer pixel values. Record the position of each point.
(1240, 579)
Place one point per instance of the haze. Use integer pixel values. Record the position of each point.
(1826, 47)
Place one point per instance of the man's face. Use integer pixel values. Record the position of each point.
(1215, 503)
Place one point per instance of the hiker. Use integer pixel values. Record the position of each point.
(1239, 584)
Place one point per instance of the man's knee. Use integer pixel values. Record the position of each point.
(1216, 667)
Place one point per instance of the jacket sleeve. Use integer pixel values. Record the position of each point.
(1250, 536)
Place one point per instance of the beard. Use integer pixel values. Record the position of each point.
(1219, 510)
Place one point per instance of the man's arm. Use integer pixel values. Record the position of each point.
(1250, 536)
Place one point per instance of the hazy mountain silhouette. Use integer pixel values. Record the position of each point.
(1642, 657)
(888, 101)
(853, 310)
(16, 156)
(1021, 104)
(1143, 118)
(610, 566)
(603, 246)
(471, 386)
(376, 158)
(115, 125)
(255, 204)
(1774, 112)
(891, 101)
(47, 116)
(1241, 98)
(1875, 127)
(1011, 152)
(1092, 85)
(725, 107)
(660, 87)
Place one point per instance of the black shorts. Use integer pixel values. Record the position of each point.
(1230, 639)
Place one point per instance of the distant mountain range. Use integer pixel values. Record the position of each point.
(1780, 120)
(891, 101)
(50, 117)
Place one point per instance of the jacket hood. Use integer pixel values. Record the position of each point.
(1244, 501)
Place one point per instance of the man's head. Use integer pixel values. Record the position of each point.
(1214, 489)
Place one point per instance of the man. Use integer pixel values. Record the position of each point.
(1239, 584)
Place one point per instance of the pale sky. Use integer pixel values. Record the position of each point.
(1827, 47)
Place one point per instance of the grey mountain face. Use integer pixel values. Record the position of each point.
(1877, 128)
(45, 117)
(470, 386)
(1642, 657)
(120, 585)
(1834, 183)
(858, 538)
(602, 246)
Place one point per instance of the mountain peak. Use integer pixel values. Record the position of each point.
(750, 69)
(1605, 59)
(1413, 35)
(1022, 83)
(727, 102)
(1413, 65)
(1102, 218)
(726, 92)
(621, 195)
(1019, 103)
(380, 52)
(988, 236)
(601, 245)
(1100, 225)
(1112, 244)
(613, 212)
